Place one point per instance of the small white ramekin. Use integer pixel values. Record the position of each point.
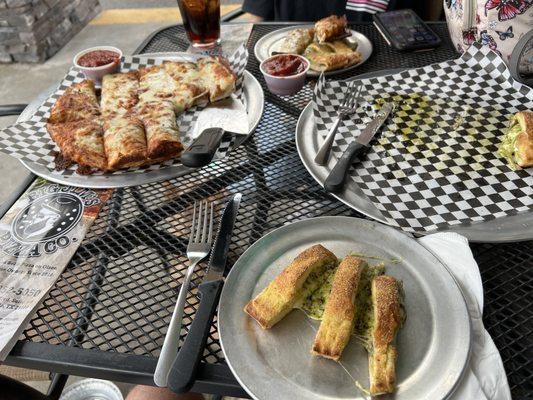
(285, 85)
(97, 73)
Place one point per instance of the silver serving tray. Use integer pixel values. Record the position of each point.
(433, 346)
(507, 229)
(255, 100)
(271, 42)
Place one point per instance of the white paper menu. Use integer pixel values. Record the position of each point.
(38, 236)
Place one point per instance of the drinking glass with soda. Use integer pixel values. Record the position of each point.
(201, 19)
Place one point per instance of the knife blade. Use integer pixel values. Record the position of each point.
(183, 371)
(336, 178)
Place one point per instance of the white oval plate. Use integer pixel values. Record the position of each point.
(271, 42)
(433, 346)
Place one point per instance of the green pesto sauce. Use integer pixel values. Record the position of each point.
(314, 304)
(316, 282)
(411, 111)
(365, 316)
(507, 146)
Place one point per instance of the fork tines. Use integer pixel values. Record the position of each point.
(200, 223)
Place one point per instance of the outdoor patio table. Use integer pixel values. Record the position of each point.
(107, 315)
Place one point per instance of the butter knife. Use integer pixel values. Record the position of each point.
(336, 178)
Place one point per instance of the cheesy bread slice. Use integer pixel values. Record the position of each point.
(119, 93)
(292, 285)
(156, 85)
(162, 135)
(340, 310)
(388, 317)
(187, 75)
(124, 142)
(81, 142)
(217, 76)
(78, 102)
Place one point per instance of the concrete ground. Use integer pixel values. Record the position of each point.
(122, 23)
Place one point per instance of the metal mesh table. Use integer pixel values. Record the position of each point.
(108, 313)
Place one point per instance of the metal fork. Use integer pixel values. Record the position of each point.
(197, 249)
(347, 107)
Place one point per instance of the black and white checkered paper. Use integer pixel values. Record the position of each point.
(29, 141)
(435, 162)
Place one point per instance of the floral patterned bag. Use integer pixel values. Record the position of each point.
(499, 24)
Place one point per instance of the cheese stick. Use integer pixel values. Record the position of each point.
(388, 318)
(340, 311)
(297, 281)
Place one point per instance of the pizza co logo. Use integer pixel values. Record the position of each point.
(42, 226)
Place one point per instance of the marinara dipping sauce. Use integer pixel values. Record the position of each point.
(284, 65)
(98, 58)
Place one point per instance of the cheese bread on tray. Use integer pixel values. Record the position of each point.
(134, 123)
(359, 301)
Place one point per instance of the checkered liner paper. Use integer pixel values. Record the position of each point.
(435, 162)
(29, 141)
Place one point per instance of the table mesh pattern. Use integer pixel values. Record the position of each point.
(118, 292)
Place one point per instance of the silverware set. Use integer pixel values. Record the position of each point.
(337, 177)
(176, 367)
(347, 108)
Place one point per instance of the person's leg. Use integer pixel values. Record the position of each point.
(141, 392)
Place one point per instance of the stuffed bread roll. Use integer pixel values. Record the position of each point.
(296, 41)
(340, 311)
(297, 281)
(330, 28)
(517, 144)
(330, 56)
(388, 318)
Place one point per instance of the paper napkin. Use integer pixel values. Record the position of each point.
(485, 378)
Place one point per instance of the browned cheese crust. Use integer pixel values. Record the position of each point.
(81, 142)
(388, 318)
(119, 93)
(330, 28)
(524, 141)
(217, 76)
(340, 311)
(77, 103)
(162, 135)
(124, 142)
(280, 296)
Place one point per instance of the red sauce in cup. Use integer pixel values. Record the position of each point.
(284, 65)
(98, 58)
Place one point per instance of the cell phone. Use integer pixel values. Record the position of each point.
(404, 30)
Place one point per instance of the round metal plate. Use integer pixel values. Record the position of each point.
(433, 346)
(271, 42)
(255, 101)
(507, 229)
